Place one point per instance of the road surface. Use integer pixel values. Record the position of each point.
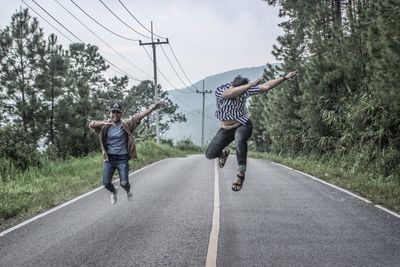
(280, 218)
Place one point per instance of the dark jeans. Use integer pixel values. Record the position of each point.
(224, 137)
(119, 162)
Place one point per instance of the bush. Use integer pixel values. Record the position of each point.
(16, 146)
(187, 145)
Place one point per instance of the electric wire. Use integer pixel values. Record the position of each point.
(57, 21)
(127, 60)
(162, 74)
(183, 71)
(47, 21)
(101, 25)
(169, 61)
(177, 98)
(123, 21)
(179, 64)
(132, 77)
(139, 21)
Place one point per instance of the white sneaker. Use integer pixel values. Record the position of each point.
(129, 196)
(114, 195)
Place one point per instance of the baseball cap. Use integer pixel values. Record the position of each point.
(116, 106)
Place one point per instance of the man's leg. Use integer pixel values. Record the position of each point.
(221, 140)
(108, 171)
(243, 133)
(123, 172)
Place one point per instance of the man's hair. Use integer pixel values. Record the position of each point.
(239, 80)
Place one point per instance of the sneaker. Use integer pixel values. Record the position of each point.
(129, 196)
(114, 195)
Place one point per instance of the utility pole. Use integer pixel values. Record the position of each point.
(153, 45)
(202, 122)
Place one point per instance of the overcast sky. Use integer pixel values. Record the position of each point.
(208, 37)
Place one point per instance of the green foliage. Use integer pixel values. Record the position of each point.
(142, 96)
(345, 103)
(22, 49)
(16, 150)
(187, 145)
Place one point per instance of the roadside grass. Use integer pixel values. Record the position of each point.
(24, 194)
(385, 192)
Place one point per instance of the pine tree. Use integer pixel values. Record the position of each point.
(52, 81)
(80, 105)
(21, 56)
(142, 96)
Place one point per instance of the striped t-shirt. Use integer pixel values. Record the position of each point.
(233, 108)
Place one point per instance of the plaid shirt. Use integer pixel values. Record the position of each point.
(233, 108)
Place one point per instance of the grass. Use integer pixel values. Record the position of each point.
(24, 194)
(385, 192)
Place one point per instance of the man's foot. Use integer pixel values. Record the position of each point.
(129, 195)
(238, 183)
(224, 156)
(114, 195)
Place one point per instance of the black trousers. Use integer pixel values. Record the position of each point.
(224, 137)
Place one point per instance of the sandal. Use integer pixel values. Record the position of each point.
(224, 156)
(238, 186)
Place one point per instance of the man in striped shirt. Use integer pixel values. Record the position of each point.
(235, 123)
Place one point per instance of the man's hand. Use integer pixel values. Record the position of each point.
(158, 104)
(290, 75)
(106, 123)
(255, 83)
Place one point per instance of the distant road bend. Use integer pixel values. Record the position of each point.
(280, 218)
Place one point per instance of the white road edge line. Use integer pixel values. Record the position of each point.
(388, 211)
(341, 189)
(68, 202)
(213, 243)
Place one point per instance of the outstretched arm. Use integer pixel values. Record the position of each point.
(233, 92)
(150, 109)
(94, 125)
(272, 83)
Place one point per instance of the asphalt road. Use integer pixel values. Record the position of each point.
(280, 218)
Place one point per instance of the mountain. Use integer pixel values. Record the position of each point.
(190, 103)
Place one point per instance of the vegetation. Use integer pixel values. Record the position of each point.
(49, 94)
(343, 109)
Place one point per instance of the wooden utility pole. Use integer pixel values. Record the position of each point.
(153, 45)
(202, 121)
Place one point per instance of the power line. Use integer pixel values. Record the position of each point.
(123, 21)
(139, 21)
(179, 64)
(127, 60)
(179, 90)
(192, 84)
(132, 77)
(57, 21)
(101, 25)
(47, 21)
(169, 61)
(159, 70)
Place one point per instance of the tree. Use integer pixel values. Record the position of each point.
(80, 103)
(52, 81)
(142, 96)
(21, 56)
